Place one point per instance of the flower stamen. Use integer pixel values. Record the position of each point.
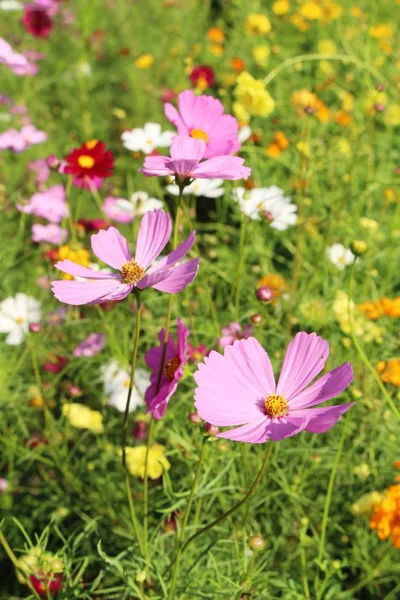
(132, 272)
(275, 406)
(199, 134)
(85, 161)
(170, 368)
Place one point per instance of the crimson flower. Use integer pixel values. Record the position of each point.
(202, 77)
(37, 20)
(89, 164)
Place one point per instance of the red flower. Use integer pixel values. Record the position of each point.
(202, 77)
(93, 224)
(37, 21)
(51, 581)
(90, 163)
(55, 364)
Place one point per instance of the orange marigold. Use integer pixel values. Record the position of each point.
(238, 64)
(386, 516)
(389, 371)
(384, 306)
(216, 35)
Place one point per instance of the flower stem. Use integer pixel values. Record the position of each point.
(185, 521)
(70, 220)
(327, 505)
(238, 288)
(132, 511)
(16, 564)
(98, 200)
(234, 508)
(158, 384)
(361, 352)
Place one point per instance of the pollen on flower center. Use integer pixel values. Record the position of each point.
(85, 161)
(91, 144)
(275, 406)
(20, 320)
(199, 134)
(132, 272)
(170, 368)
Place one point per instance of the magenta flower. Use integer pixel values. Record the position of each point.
(184, 163)
(202, 117)
(233, 332)
(239, 388)
(51, 233)
(112, 248)
(91, 346)
(175, 359)
(18, 141)
(50, 204)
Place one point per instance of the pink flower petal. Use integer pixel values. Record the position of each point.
(111, 247)
(179, 277)
(157, 166)
(152, 279)
(326, 387)
(172, 115)
(305, 357)
(67, 266)
(154, 233)
(186, 102)
(175, 256)
(227, 167)
(322, 419)
(185, 147)
(84, 292)
(255, 432)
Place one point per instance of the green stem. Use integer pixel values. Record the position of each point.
(234, 508)
(157, 389)
(361, 352)
(185, 521)
(304, 573)
(243, 229)
(132, 511)
(16, 564)
(98, 200)
(70, 221)
(39, 384)
(327, 504)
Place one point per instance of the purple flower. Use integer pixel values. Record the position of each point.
(112, 248)
(184, 162)
(233, 332)
(92, 345)
(50, 204)
(175, 359)
(239, 388)
(51, 233)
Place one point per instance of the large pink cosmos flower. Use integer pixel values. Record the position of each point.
(112, 248)
(176, 357)
(202, 117)
(184, 163)
(239, 387)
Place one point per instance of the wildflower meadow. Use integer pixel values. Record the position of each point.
(199, 299)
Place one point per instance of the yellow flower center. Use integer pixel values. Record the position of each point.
(132, 272)
(91, 144)
(20, 319)
(275, 406)
(170, 368)
(199, 134)
(85, 161)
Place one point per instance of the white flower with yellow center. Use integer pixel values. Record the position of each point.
(209, 188)
(268, 203)
(116, 382)
(148, 139)
(340, 256)
(16, 314)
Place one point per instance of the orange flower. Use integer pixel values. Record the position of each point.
(275, 282)
(278, 145)
(238, 64)
(343, 118)
(309, 103)
(389, 371)
(216, 35)
(384, 306)
(386, 516)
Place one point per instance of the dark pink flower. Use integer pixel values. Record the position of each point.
(175, 359)
(202, 77)
(234, 332)
(37, 20)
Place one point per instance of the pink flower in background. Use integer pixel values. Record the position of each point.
(112, 248)
(175, 359)
(41, 169)
(233, 332)
(50, 204)
(18, 141)
(202, 117)
(10, 58)
(38, 17)
(197, 353)
(51, 233)
(239, 388)
(92, 345)
(184, 163)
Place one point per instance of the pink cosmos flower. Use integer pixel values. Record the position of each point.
(41, 170)
(91, 346)
(51, 233)
(18, 141)
(15, 61)
(112, 248)
(184, 163)
(175, 359)
(233, 332)
(50, 204)
(239, 387)
(202, 117)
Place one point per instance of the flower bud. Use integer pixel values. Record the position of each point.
(256, 319)
(211, 429)
(52, 161)
(358, 247)
(264, 294)
(34, 327)
(256, 542)
(380, 107)
(194, 418)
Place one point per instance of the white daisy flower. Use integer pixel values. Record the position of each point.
(209, 188)
(116, 383)
(340, 256)
(268, 203)
(147, 139)
(16, 314)
(124, 211)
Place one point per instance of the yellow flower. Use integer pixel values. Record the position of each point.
(370, 224)
(392, 115)
(144, 61)
(356, 12)
(389, 372)
(79, 256)
(314, 311)
(363, 328)
(281, 7)
(327, 47)
(332, 11)
(83, 417)
(240, 113)
(217, 50)
(216, 35)
(261, 54)
(347, 101)
(366, 503)
(311, 11)
(381, 31)
(157, 462)
(258, 23)
(299, 22)
(375, 98)
(303, 148)
(253, 96)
